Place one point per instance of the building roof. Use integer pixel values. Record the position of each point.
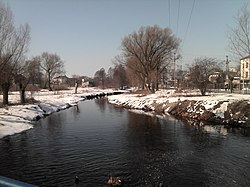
(248, 56)
(61, 77)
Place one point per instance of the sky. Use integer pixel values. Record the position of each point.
(87, 34)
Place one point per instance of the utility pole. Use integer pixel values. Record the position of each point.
(174, 70)
(228, 79)
(227, 65)
(227, 70)
(243, 78)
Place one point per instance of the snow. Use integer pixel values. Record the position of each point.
(220, 111)
(136, 101)
(17, 118)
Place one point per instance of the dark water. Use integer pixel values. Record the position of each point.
(97, 140)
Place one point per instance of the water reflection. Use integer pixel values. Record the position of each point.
(217, 129)
(146, 149)
(96, 140)
(174, 153)
(77, 108)
(243, 131)
(160, 151)
(101, 103)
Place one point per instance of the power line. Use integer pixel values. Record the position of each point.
(189, 21)
(169, 14)
(178, 17)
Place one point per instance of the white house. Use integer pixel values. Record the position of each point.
(61, 80)
(245, 71)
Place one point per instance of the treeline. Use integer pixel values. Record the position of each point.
(148, 61)
(147, 56)
(115, 77)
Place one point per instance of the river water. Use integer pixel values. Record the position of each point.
(96, 140)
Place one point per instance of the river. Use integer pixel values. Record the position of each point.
(96, 140)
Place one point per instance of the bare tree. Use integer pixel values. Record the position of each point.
(100, 77)
(239, 37)
(77, 80)
(22, 79)
(52, 66)
(150, 49)
(34, 71)
(27, 72)
(76, 87)
(200, 71)
(135, 73)
(120, 76)
(109, 78)
(7, 30)
(13, 46)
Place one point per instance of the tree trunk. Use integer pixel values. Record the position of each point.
(157, 79)
(5, 89)
(76, 86)
(50, 89)
(231, 86)
(203, 91)
(22, 93)
(45, 84)
(153, 87)
(22, 96)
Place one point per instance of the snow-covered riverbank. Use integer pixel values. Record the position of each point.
(221, 108)
(228, 109)
(17, 118)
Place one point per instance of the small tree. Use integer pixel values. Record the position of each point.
(26, 73)
(77, 80)
(34, 71)
(110, 82)
(120, 76)
(52, 66)
(100, 77)
(200, 71)
(76, 86)
(22, 83)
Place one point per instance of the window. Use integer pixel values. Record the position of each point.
(246, 75)
(246, 64)
(242, 65)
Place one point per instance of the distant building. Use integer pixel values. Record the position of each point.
(233, 70)
(214, 77)
(61, 80)
(244, 72)
(216, 80)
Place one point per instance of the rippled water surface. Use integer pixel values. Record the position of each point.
(96, 140)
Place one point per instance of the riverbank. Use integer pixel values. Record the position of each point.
(228, 109)
(16, 118)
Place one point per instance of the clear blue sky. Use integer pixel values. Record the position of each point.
(87, 34)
